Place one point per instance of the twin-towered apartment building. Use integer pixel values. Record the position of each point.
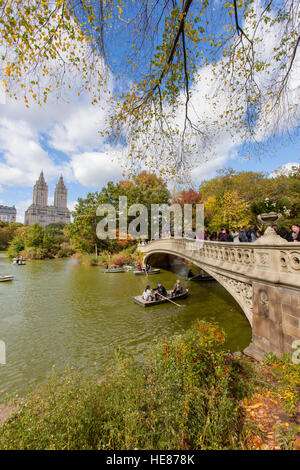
(40, 211)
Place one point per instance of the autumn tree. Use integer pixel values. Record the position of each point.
(250, 187)
(188, 196)
(7, 233)
(145, 188)
(230, 212)
(239, 58)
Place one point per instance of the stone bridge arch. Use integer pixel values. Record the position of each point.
(241, 291)
(263, 277)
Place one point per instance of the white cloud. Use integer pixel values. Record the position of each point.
(30, 139)
(21, 207)
(285, 169)
(23, 155)
(48, 137)
(79, 130)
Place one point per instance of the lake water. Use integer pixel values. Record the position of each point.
(59, 312)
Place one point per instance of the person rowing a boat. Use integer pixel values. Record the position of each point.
(190, 274)
(148, 294)
(177, 289)
(161, 290)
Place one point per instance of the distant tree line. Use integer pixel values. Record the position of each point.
(231, 200)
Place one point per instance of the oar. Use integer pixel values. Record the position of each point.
(167, 298)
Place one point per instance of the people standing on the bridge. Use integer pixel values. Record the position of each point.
(201, 236)
(206, 234)
(283, 233)
(294, 235)
(258, 234)
(235, 236)
(214, 237)
(229, 237)
(222, 236)
(251, 234)
(242, 235)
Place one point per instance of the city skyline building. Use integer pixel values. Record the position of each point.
(41, 212)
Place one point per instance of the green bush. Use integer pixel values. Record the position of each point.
(274, 204)
(15, 247)
(35, 242)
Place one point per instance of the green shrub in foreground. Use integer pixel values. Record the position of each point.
(185, 395)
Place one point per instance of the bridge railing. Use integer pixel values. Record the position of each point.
(270, 262)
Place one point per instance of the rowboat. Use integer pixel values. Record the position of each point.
(129, 268)
(6, 278)
(143, 271)
(139, 299)
(116, 270)
(19, 262)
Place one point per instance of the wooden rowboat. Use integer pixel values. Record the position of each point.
(129, 268)
(6, 278)
(139, 299)
(199, 277)
(117, 270)
(18, 262)
(144, 272)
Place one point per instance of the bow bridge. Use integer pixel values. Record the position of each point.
(263, 277)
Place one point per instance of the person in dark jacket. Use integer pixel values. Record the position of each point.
(229, 238)
(190, 274)
(160, 290)
(222, 236)
(251, 234)
(242, 236)
(283, 233)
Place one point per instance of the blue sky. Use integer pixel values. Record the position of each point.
(64, 139)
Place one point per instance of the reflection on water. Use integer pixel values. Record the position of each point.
(57, 312)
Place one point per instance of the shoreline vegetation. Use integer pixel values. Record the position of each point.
(128, 256)
(188, 393)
